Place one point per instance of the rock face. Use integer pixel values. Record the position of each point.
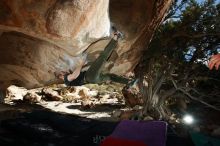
(40, 37)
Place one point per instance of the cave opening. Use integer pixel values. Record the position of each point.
(82, 72)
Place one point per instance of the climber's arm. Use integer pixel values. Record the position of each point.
(75, 73)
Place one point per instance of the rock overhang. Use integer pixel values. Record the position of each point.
(40, 37)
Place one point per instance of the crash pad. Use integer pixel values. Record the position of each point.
(111, 141)
(151, 133)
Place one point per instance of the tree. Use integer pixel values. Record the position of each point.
(173, 65)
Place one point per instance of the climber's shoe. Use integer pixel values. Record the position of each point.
(132, 83)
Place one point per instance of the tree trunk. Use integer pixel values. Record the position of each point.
(151, 78)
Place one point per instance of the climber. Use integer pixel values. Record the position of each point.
(214, 61)
(93, 74)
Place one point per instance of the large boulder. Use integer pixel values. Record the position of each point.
(40, 37)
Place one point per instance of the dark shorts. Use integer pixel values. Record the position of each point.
(80, 80)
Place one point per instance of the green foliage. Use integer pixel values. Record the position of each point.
(196, 28)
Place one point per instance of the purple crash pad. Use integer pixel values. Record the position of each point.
(152, 133)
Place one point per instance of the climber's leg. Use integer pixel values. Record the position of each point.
(119, 79)
(114, 78)
(94, 72)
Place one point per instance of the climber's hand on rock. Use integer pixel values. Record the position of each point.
(117, 35)
(60, 75)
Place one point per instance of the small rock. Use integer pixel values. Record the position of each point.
(110, 89)
(104, 98)
(86, 104)
(15, 93)
(116, 113)
(72, 89)
(51, 94)
(137, 107)
(172, 119)
(32, 97)
(148, 118)
(84, 94)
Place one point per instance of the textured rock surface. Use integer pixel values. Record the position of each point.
(40, 37)
(91, 100)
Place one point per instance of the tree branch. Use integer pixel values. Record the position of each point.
(190, 36)
(196, 35)
(192, 97)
